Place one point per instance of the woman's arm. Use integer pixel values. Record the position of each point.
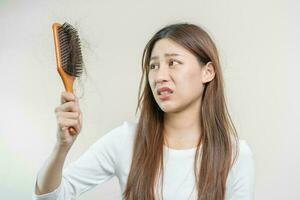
(68, 114)
(50, 175)
(95, 166)
(243, 182)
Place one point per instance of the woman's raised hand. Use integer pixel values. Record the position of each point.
(68, 115)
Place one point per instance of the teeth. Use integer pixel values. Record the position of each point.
(165, 92)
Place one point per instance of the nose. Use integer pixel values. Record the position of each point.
(162, 74)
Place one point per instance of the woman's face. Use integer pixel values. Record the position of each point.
(174, 67)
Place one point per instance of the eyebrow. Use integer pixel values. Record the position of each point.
(166, 55)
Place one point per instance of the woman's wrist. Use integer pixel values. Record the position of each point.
(61, 151)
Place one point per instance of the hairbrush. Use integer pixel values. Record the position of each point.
(68, 56)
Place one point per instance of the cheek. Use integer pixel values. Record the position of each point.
(190, 85)
(191, 73)
(149, 78)
(151, 84)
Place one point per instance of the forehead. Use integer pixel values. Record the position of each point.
(166, 47)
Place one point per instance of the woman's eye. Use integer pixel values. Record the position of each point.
(152, 65)
(172, 61)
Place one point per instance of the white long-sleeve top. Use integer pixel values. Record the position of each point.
(111, 156)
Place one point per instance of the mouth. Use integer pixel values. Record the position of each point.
(165, 95)
(165, 92)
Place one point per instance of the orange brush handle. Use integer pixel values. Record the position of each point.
(66, 78)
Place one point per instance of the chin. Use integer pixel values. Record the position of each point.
(167, 108)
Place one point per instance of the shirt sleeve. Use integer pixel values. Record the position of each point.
(97, 165)
(243, 183)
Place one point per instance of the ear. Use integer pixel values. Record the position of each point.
(208, 72)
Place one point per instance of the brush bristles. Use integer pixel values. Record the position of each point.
(70, 49)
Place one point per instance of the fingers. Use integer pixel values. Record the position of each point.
(68, 114)
(69, 120)
(67, 96)
(69, 102)
(70, 106)
(64, 124)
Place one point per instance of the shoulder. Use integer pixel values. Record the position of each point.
(244, 163)
(242, 174)
(245, 153)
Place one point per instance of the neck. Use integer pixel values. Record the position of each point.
(182, 129)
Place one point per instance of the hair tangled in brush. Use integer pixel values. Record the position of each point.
(71, 56)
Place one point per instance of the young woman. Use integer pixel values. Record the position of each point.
(184, 145)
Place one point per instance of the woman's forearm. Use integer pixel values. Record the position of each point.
(50, 175)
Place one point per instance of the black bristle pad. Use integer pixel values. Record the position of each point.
(71, 57)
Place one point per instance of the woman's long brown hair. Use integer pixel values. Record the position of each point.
(219, 138)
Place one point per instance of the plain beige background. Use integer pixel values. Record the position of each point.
(258, 42)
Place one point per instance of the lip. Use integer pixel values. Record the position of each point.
(163, 89)
(164, 96)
